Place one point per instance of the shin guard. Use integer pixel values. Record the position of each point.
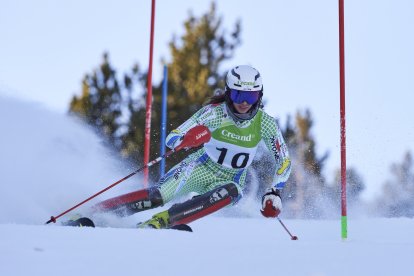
(131, 203)
(203, 205)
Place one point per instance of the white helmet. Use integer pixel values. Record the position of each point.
(245, 78)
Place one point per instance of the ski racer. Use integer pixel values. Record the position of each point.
(217, 171)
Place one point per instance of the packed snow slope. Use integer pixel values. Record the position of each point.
(49, 162)
(218, 246)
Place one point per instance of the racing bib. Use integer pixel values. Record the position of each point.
(232, 146)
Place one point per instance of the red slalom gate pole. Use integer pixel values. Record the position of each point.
(149, 98)
(344, 219)
(155, 161)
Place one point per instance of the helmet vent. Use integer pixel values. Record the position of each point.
(235, 74)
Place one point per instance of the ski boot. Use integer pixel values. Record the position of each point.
(158, 221)
(162, 221)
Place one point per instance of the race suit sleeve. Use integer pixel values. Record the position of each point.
(272, 137)
(205, 116)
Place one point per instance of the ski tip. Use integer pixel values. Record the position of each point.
(80, 222)
(86, 222)
(182, 227)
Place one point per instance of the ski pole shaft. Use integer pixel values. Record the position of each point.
(155, 161)
(292, 237)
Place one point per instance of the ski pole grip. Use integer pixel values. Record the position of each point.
(195, 137)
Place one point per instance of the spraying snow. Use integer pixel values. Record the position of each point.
(49, 161)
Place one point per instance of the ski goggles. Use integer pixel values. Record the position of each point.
(239, 96)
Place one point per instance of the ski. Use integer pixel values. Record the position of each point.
(182, 227)
(87, 222)
(80, 222)
(179, 227)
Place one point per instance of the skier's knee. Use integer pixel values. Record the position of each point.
(231, 190)
(131, 203)
(151, 198)
(155, 197)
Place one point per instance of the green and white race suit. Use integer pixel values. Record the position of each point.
(226, 157)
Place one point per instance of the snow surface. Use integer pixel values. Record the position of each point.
(50, 162)
(218, 246)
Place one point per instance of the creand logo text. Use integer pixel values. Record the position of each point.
(246, 82)
(229, 134)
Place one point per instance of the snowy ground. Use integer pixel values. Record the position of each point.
(49, 162)
(218, 246)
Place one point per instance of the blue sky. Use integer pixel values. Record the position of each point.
(47, 47)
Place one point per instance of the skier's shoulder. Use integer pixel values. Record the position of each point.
(215, 106)
(217, 109)
(268, 121)
(266, 116)
(210, 112)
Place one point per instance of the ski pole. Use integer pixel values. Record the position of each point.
(155, 161)
(193, 138)
(292, 237)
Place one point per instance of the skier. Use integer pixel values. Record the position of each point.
(217, 171)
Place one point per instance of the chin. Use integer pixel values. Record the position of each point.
(244, 110)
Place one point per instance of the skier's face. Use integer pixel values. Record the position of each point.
(243, 100)
(243, 107)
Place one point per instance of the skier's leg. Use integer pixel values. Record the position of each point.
(153, 197)
(196, 207)
(204, 204)
(131, 203)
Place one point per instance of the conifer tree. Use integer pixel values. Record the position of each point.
(354, 187)
(193, 75)
(100, 102)
(398, 193)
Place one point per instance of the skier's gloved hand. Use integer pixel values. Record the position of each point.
(195, 137)
(271, 203)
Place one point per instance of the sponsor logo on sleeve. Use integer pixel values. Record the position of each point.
(179, 170)
(285, 166)
(275, 148)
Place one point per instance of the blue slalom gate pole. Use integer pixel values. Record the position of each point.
(163, 118)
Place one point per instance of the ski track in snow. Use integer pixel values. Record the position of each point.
(50, 162)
